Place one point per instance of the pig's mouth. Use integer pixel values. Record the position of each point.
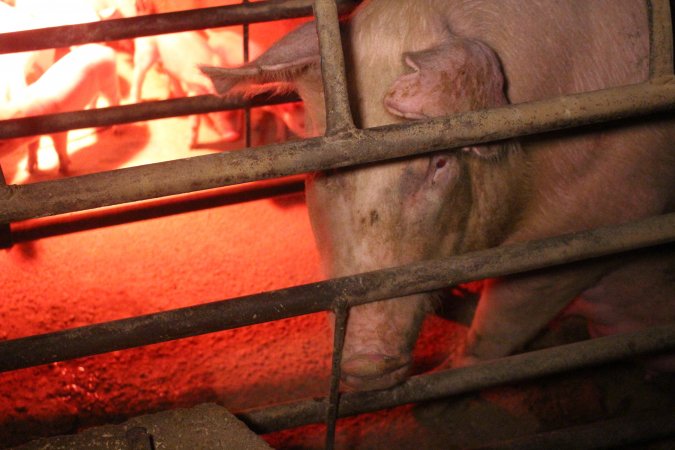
(370, 372)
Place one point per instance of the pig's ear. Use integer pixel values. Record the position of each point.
(275, 70)
(457, 75)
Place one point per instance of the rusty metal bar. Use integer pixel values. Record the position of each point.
(619, 432)
(116, 29)
(6, 240)
(247, 110)
(338, 113)
(50, 123)
(660, 38)
(315, 297)
(134, 212)
(513, 369)
(341, 311)
(346, 149)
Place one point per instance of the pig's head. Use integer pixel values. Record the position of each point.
(389, 214)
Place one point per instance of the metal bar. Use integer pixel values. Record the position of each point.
(338, 113)
(660, 39)
(152, 209)
(315, 297)
(5, 229)
(247, 110)
(512, 369)
(341, 311)
(614, 433)
(352, 148)
(195, 19)
(51, 123)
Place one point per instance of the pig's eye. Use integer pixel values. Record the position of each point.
(440, 168)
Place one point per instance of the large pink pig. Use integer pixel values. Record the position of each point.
(411, 60)
(71, 84)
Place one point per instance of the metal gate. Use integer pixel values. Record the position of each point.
(343, 145)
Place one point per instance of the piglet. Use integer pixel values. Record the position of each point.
(71, 84)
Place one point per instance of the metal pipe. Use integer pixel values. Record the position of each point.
(613, 433)
(338, 113)
(315, 297)
(512, 369)
(19, 202)
(168, 206)
(247, 110)
(6, 240)
(660, 39)
(341, 310)
(195, 19)
(101, 117)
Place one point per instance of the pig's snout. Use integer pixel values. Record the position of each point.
(379, 341)
(375, 371)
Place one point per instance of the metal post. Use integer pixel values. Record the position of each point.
(338, 114)
(341, 310)
(5, 229)
(247, 110)
(660, 39)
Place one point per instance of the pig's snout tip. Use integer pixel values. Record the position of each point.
(374, 371)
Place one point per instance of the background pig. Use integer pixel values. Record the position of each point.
(19, 68)
(72, 83)
(417, 59)
(180, 54)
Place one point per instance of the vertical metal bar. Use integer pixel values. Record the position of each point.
(5, 229)
(247, 110)
(338, 113)
(341, 313)
(660, 38)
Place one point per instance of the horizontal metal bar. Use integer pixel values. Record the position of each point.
(321, 296)
(618, 432)
(101, 117)
(338, 113)
(513, 369)
(76, 222)
(19, 202)
(116, 29)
